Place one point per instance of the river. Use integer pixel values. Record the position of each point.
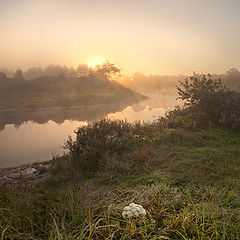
(36, 135)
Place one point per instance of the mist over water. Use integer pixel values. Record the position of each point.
(149, 110)
(106, 101)
(29, 136)
(50, 111)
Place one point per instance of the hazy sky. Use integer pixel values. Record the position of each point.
(149, 36)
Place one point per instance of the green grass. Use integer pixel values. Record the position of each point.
(188, 182)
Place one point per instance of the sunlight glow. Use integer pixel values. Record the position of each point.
(93, 62)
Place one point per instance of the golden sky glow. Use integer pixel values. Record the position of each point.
(149, 36)
(94, 61)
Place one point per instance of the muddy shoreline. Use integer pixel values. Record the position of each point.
(25, 174)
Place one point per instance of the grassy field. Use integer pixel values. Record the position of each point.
(188, 182)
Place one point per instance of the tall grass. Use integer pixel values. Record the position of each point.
(187, 181)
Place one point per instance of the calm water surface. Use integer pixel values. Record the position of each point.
(30, 136)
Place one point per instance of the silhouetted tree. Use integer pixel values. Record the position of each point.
(19, 74)
(107, 70)
(207, 103)
(34, 72)
(3, 76)
(83, 70)
(195, 88)
(232, 78)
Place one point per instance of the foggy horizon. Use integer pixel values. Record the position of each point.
(10, 71)
(152, 37)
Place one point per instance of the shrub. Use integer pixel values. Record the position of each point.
(99, 140)
(208, 103)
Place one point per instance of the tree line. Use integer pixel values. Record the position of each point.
(56, 78)
(166, 84)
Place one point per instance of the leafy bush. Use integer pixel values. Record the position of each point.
(100, 139)
(121, 147)
(208, 103)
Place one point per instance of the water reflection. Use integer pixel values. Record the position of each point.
(151, 109)
(36, 135)
(34, 142)
(58, 115)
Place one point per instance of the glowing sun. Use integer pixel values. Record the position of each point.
(93, 62)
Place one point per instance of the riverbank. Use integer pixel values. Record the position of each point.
(27, 174)
(187, 181)
(54, 92)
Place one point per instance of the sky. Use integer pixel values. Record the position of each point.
(148, 36)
